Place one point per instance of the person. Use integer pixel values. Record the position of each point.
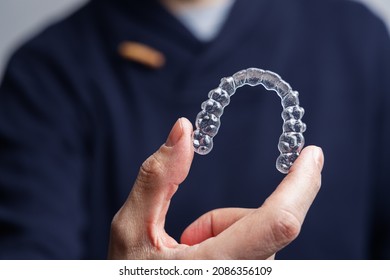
(86, 101)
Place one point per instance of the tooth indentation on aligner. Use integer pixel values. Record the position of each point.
(227, 84)
(282, 88)
(270, 80)
(293, 112)
(208, 121)
(285, 161)
(290, 99)
(254, 76)
(293, 125)
(203, 144)
(240, 78)
(221, 96)
(291, 142)
(212, 106)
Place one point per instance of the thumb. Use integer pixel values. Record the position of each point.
(160, 176)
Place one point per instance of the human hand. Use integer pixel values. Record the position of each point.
(137, 230)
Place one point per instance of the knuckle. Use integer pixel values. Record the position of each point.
(285, 228)
(118, 238)
(124, 227)
(126, 240)
(150, 169)
(118, 230)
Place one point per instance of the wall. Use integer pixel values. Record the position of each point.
(20, 19)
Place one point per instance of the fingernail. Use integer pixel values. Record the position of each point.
(318, 157)
(175, 134)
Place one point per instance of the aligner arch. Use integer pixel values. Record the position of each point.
(208, 120)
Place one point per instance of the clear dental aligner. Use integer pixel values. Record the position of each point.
(208, 120)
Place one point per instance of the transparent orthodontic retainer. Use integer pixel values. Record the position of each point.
(208, 120)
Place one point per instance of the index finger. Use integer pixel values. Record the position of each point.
(297, 191)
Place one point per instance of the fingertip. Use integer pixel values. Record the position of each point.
(310, 156)
(187, 236)
(182, 127)
(178, 151)
(318, 156)
(186, 124)
(184, 145)
(306, 172)
(175, 134)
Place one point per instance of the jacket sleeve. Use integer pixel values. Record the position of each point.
(42, 212)
(380, 246)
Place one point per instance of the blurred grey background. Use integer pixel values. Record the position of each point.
(21, 19)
